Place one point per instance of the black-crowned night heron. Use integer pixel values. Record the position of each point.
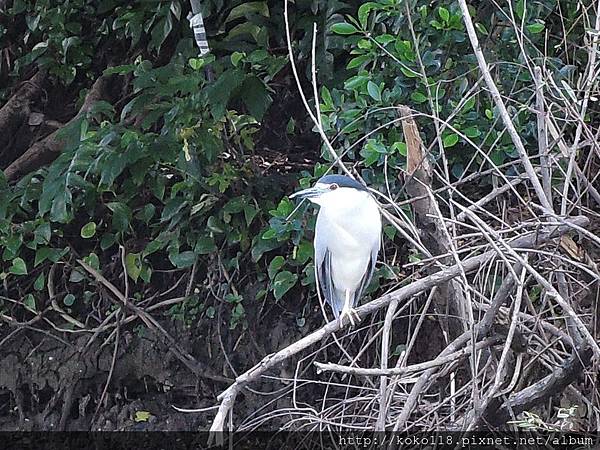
(347, 240)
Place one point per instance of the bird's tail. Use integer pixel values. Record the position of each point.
(337, 301)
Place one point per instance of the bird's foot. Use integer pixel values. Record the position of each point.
(352, 315)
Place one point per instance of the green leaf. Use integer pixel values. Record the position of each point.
(450, 140)
(29, 302)
(133, 265)
(390, 231)
(88, 230)
(13, 244)
(222, 89)
(343, 28)
(40, 282)
(291, 126)
(146, 273)
(385, 39)
(256, 97)
(153, 246)
(260, 246)
(409, 73)
(93, 261)
(520, 8)
(303, 252)
(472, 132)
(418, 97)
(498, 157)
(374, 91)
(358, 61)
(536, 27)
(372, 151)
(146, 213)
(58, 211)
(43, 253)
(327, 100)
(76, 276)
(400, 147)
(356, 82)
(284, 209)
(258, 55)
(437, 25)
(43, 233)
(157, 186)
(215, 225)
(161, 30)
(108, 240)
(18, 267)
(249, 213)
(444, 14)
(183, 259)
(121, 69)
(33, 21)
(196, 63)
(245, 28)
(69, 300)
(247, 9)
(205, 245)
(481, 28)
(233, 298)
(121, 215)
(283, 282)
(469, 104)
(364, 10)
(210, 312)
(142, 416)
(276, 264)
(236, 57)
(172, 207)
(458, 170)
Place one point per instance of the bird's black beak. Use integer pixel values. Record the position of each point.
(308, 193)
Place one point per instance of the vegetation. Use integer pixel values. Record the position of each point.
(144, 190)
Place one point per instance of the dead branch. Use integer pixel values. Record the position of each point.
(449, 301)
(385, 346)
(188, 360)
(495, 193)
(17, 109)
(510, 128)
(48, 149)
(546, 168)
(499, 413)
(439, 361)
(532, 239)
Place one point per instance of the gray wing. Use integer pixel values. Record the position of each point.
(366, 278)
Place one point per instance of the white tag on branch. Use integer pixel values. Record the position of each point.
(197, 24)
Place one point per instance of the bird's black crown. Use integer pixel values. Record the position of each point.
(342, 181)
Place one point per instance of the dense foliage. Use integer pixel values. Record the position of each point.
(177, 171)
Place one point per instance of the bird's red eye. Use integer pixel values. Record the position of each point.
(333, 186)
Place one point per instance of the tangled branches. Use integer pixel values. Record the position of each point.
(525, 273)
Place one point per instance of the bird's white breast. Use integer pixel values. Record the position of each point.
(350, 222)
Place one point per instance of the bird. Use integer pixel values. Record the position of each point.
(347, 241)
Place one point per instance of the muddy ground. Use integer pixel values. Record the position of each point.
(58, 381)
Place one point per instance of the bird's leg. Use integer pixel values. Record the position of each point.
(347, 310)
